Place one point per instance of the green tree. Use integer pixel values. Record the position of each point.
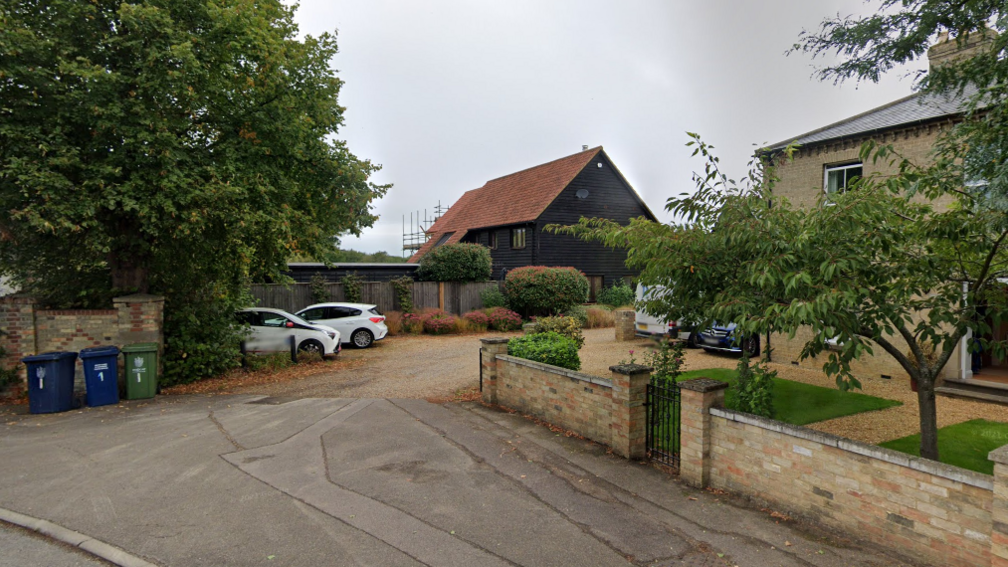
(174, 146)
(897, 274)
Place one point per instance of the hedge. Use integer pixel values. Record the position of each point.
(456, 263)
(548, 348)
(538, 290)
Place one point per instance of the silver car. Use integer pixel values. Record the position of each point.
(360, 324)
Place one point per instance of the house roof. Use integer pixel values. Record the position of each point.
(914, 109)
(511, 199)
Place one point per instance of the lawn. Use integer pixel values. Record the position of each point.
(797, 403)
(964, 444)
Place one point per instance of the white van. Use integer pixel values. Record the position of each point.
(649, 325)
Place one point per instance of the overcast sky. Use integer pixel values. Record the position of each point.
(449, 94)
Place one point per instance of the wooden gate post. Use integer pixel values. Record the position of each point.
(440, 295)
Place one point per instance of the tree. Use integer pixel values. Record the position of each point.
(175, 146)
(896, 277)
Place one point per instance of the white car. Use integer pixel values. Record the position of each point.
(360, 324)
(272, 330)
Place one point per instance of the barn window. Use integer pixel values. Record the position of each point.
(517, 238)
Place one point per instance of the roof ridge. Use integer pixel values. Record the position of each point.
(596, 149)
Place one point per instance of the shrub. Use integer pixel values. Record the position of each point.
(352, 287)
(502, 319)
(8, 376)
(548, 348)
(579, 313)
(566, 326)
(319, 289)
(412, 323)
(599, 318)
(394, 322)
(493, 297)
(403, 287)
(478, 320)
(438, 322)
(618, 295)
(538, 290)
(460, 262)
(666, 360)
(754, 388)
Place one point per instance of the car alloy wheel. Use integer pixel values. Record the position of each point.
(310, 346)
(751, 345)
(362, 338)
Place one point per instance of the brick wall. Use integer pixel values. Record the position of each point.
(30, 330)
(17, 320)
(572, 400)
(937, 513)
(801, 183)
(610, 411)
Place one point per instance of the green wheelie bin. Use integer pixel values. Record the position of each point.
(141, 369)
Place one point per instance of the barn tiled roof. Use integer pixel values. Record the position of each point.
(916, 108)
(515, 198)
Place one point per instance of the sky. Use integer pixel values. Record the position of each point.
(448, 94)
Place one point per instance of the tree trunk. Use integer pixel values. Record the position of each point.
(928, 417)
(128, 275)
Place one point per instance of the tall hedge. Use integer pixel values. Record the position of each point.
(538, 290)
(463, 262)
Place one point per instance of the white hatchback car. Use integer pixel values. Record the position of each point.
(360, 324)
(272, 330)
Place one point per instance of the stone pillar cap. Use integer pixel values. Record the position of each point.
(703, 385)
(999, 455)
(630, 369)
(494, 340)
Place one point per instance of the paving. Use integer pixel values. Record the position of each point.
(247, 480)
(21, 547)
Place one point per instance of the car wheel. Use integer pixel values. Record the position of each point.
(362, 338)
(693, 341)
(751, 345)
(310, 345)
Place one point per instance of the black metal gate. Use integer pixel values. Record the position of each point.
(663, 405)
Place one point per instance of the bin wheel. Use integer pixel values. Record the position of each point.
(309, 346)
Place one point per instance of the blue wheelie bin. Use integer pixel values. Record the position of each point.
(50, 381)
(101, 375)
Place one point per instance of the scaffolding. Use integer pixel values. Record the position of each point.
(415, 234)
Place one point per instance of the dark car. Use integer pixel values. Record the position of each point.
(721, 338)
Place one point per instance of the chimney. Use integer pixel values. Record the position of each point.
(584, 147)
(948, 50)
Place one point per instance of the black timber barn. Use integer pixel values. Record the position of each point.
(508, 215)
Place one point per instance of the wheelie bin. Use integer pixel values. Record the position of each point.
(50, 381)
(101, 375)
(141, 370)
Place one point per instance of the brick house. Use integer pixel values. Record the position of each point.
(828, 160)
(508, 215)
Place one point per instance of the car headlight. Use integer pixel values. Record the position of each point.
(332, 334)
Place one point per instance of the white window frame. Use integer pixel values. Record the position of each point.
(830, 168)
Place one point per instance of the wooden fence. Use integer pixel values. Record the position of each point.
(453, 297)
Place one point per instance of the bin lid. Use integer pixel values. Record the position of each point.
(49, 356)
(104, 350)
(140, 347)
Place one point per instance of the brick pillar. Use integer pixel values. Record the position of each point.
(629, 415)
(17, 320)
(490, 349)
(625, 320)
(141, 319)
(999, 511)
(698, 396)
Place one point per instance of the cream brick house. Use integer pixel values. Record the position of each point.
(828, 160)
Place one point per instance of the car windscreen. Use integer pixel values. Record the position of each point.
(298, 320)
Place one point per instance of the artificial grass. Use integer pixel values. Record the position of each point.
(964, 445)
(798, 403)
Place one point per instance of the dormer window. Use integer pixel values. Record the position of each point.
(838, 178)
